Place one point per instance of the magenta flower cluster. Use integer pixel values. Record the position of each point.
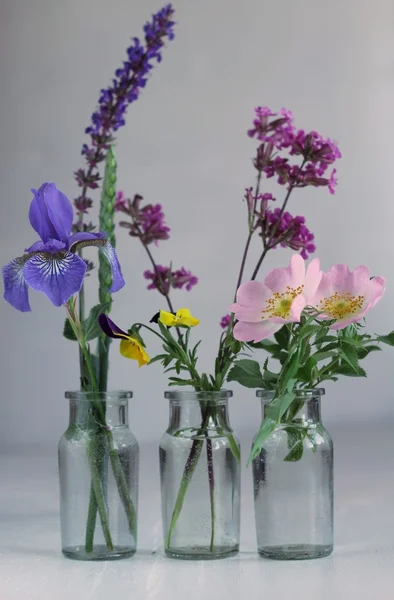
(277, 134)
(288, 232)
(114, 101)
(147, 222)
(163, 278)
(279, 228)
(225, 321)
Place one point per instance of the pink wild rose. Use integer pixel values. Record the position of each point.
(263, 308)
(347, 295)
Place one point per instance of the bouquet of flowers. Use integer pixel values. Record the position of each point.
(317, 322)
(297, 159)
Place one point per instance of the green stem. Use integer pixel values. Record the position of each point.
(91, 522)
(211, 479)
(103, 354)
(123, 487)
(96, 500)
(100, 501)
(188, 471)
(92, 511)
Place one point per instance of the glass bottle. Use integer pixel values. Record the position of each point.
(293, 483)
(200, 477)
(98, 472)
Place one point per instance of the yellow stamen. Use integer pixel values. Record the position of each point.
(279, 305)
(340, 306)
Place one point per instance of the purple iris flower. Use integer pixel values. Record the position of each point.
(52, 265)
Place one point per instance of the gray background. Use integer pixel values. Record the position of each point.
(185, 146)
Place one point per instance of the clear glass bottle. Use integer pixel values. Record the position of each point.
(293, 483)
(200, 477)
(98, 472)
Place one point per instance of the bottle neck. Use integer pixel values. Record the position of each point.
(302, 410)
(101, 410)
(195, 414)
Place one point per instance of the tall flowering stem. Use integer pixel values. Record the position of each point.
(113, 103)
(106, 224)
(110, 115)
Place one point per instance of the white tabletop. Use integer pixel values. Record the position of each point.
(362, 566)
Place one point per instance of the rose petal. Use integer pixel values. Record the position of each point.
(246, 313)
(253, 294)
(312, 280)
(292, 276)
(255, 332)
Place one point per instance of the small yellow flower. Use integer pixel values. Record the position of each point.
(182, 318)
(132, 348)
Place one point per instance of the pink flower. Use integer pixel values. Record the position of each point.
(263, 308)
(347, 296)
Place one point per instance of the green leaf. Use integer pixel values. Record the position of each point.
(68, 332)
(247, 373)
(289, 370)
(267, 428)
(157, 358)
(321, 334)
(282, 337)
(266, 345)
(91, 325)
(182, 382)
(270, 379)
(349, 354)
(349, 371)
(386, 339)
(363, 352)
(295, 453)
(325, 339)
(307, 331)
(279, 406)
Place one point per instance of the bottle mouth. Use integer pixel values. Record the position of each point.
(193, 396)
(115, 396)
(302, 394)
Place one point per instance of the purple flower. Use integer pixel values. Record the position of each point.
(51, 265)
(225, 321)
(277, 133)
(332, 182)
(147, 222)
(290, 232)
(114, 101)
(163, 278)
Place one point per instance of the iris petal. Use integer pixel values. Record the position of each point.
(117, 277)
(109, 252)
(83, 236)
(51, 213)
(59, 276)
(15, 286)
